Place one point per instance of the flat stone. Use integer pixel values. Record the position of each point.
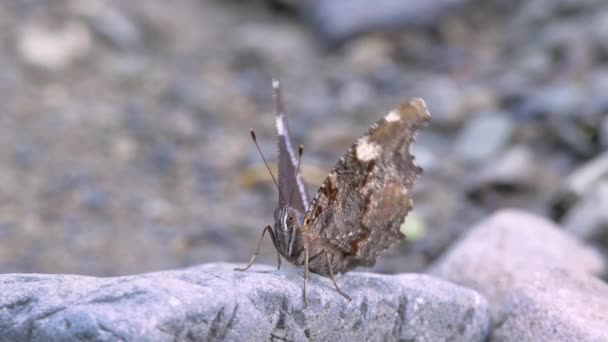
(484, 137)
(588, 218)
(604, 132)
(586, 177)
(56, 48)
(213, 302)
(556, 305)
(114, 26)
(446, 100)
(507, 248)
(516, 167)
(558, 100)
(338, 20)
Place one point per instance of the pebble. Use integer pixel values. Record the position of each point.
(162, 157)
(604, 132)
(339, 20)
(588, 217)
(559, 101)
(585, 178)
(483, 137)
(355, 96)
(56, 48)
(289, 44)
(93, 198)
(445, 100)
(368, 53)
(515, 168)
(115, 27)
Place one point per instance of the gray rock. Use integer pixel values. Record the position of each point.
(337, 20)
(212, 302)
(115, 27)
(585, 178)
(604, 132)
(483, 137)
(562, 100)
(507, 248)
(445, 98)
(596, 105)
(588, 218)
(555, 305)
(54, 49)
(599, 30)
(515, 168)
(534, 62)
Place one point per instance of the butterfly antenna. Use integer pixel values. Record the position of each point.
(255, 141)
(295, 184)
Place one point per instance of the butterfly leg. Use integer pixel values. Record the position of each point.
(305, 275)
(331, 276)
(257, 249)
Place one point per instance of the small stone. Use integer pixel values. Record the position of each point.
(162, 157)
(338, 20)
(573, 135)
(214, 302)
(509, 246)
(368, 53)
(425, 156)
(184, 126)
(604, 132)
(555, 305)
(124, 148)
(445, 99)
(7, 230)
(54, 48)
(588, 218)
(599, 30)
(158, 209)
(289, 43)
(93, 198)
(516, 169)
(27, 155)
(116, 28)
(484, 137)
(355, 96)
(584, 178)
(596, 105)
(562, 100)
(534, 63)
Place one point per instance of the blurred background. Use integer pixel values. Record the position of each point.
(124, 143)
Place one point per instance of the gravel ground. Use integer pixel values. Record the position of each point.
(124, 125)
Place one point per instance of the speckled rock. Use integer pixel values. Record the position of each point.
(507, 248)
(213, 302)
(556, 305)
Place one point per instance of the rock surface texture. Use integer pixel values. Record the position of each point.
(538, 279)
(212, 302)
(509, 247)
(556, 305)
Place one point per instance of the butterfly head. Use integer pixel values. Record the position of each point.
(287, 231)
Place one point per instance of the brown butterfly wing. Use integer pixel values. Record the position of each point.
(361, 205)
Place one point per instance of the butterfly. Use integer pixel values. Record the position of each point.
(358, 210)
